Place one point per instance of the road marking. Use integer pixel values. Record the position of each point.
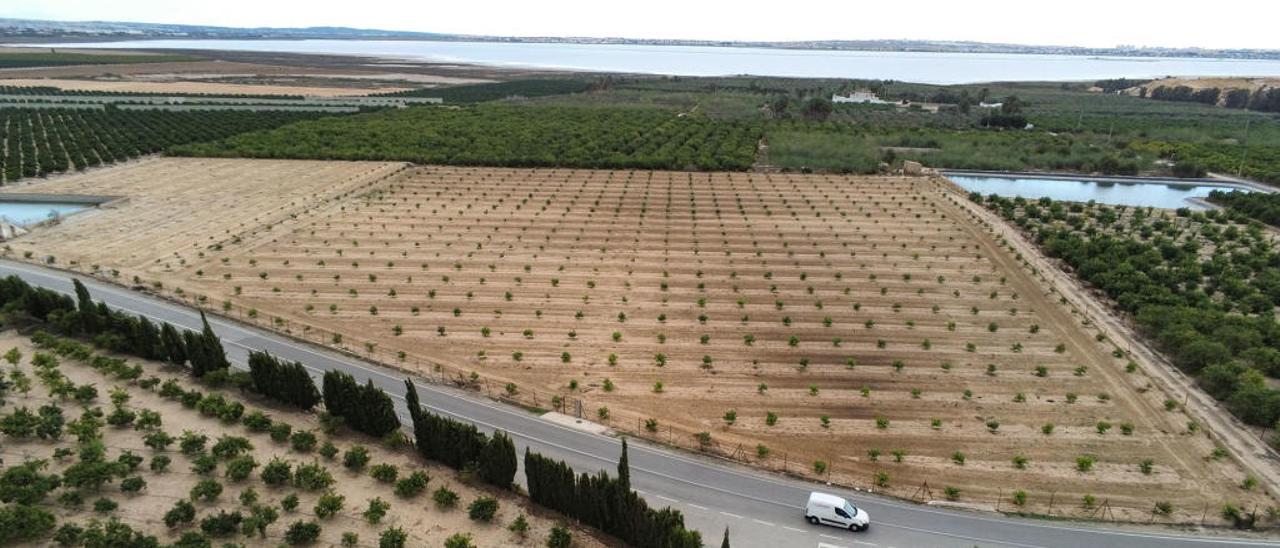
(692, 505)
(832, 537)
(793, 529)
(825, 545)
(864, 543)
(668, 499)
(765, 523)
(734, 516)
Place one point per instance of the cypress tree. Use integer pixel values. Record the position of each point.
(411, 400)
(298, 386)
(377, 412)
(624, 468)
(146, 338)
(339, 394)
(498, 460)
(84, 303)
(215, 357)
(195, 352)
(174, 348)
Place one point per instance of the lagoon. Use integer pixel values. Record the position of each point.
(24, 213)
(1168, 194)
(925, 67)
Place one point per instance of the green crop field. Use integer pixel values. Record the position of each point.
(509, 136)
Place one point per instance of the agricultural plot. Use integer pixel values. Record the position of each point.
(173, 211)
(861, 329)
(43, 141)
(504, 135)
(144, 454)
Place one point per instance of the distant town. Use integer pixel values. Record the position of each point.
(28, 30)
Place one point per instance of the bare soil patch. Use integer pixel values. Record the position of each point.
(136, 86)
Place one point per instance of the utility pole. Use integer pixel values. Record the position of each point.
(1245, 155)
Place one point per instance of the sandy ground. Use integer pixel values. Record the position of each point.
(426, 524)
(531, 272)
(136, 86)
(203, 204)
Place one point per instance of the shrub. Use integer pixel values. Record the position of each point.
(329, 504)
(206, 490)
(221, 524)
(462, 540)
(239, 468)
(181, 512)
(356, 458)
(377, 510)
(105, 505)
(483, 509)
(444, 497)
(519, 527)
(385, 473)
(1084, 463)
(411, 486)
(277, 472)
(393, 537)
(559, 538)
(303, 441)
(312, 477)
(302, 533)
(133, 484)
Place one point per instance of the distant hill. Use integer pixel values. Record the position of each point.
(31, 30)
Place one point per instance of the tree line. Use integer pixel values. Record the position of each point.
(507, 136)
(1266, 99)
(607, 503)
(39, 142)
(1213, 316)
(1261, 206)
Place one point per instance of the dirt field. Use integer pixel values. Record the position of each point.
(872, 316)
(138, 86)
(426, 524)
(174, 209)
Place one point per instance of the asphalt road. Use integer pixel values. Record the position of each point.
(760, 509)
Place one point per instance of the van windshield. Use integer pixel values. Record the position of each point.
(849, 509)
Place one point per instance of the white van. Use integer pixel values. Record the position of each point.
(833, 510)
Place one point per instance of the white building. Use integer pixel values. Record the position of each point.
(859, 97)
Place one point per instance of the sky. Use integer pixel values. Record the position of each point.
(1096, 23)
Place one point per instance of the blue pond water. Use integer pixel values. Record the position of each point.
(1164, 194)
(29, 213)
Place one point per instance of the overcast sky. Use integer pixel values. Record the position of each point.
(1240, 24)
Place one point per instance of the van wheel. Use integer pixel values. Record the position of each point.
(813, 520)
(854, 527)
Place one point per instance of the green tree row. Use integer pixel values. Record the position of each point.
(512, 136)
(606, 503)
(1212, 311)
(1260, 206)
(283, 381)
(365, 408)
(38, 142)
(460, 445)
